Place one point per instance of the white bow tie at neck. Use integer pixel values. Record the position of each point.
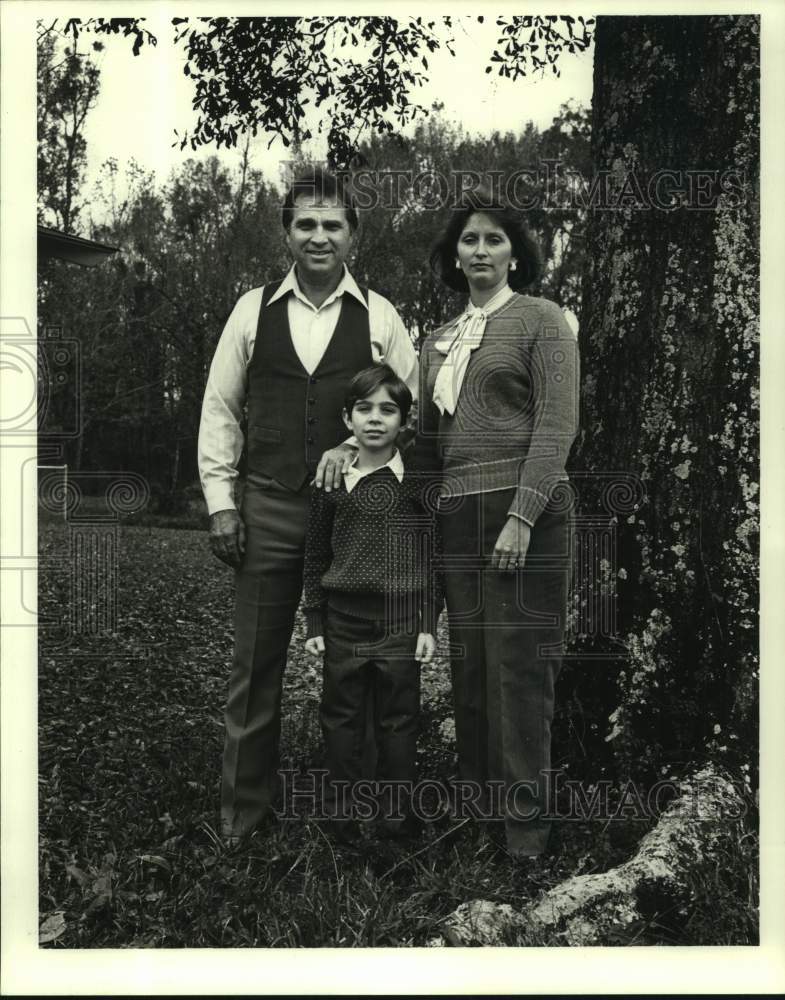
(468, 336)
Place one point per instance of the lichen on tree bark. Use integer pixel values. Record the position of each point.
(669, 344)
(608, 907)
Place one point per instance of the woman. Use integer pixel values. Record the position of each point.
(498, 415)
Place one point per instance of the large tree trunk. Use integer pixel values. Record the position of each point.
(669, 356)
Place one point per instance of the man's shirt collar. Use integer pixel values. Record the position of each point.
(291, 284)
(353, 475)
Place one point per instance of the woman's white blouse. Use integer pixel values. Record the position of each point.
(458, 342)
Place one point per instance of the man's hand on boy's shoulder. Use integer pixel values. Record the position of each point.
(332, 465)
(315, 645)
(426, 647)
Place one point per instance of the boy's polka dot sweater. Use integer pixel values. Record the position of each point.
(374, 553)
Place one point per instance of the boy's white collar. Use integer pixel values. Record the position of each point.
(353, 475)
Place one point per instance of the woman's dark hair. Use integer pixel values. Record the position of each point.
(366, 382)
(320, 185)
(524, 248)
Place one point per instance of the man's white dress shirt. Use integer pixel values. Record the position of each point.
(220, 437)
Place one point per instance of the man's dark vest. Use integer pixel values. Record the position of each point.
(294, 417)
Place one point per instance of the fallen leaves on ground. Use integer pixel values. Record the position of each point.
(130, 742)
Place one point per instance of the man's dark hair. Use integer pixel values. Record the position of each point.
(366, 382)
(322, 186)
(524, 248)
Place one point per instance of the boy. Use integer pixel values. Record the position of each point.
(371, 600)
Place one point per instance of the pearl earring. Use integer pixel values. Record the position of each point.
(457, 263)
(513, 265)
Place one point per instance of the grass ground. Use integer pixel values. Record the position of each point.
(130, 739)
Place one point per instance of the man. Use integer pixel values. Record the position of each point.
(287, 353)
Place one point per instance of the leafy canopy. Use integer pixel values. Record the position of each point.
(253, 74)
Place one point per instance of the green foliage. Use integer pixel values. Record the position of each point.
(357, 72)
(129, 27)
(254, 74)
(68, 84)
(730, 886)
(535, 44)
(147, 321)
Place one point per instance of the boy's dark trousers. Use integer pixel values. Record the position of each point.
(368, 658)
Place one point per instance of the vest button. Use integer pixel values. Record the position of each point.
(310, 441)
(311, 420)
(311, 400)
(313, 380)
